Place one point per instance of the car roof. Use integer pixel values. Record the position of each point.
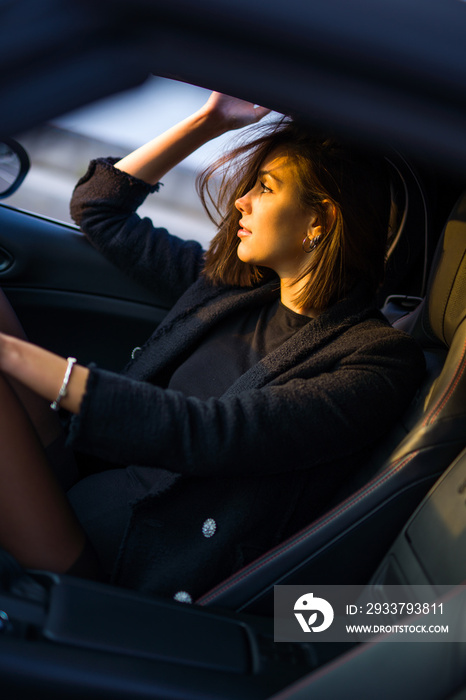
(392, 71)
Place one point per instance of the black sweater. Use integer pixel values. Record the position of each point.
(295, 423)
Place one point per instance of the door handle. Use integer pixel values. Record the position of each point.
(6, 260)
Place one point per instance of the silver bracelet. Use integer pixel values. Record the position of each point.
(55, 405)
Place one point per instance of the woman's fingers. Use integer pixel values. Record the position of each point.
(234, 113)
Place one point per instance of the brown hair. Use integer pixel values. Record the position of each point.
(357, 185)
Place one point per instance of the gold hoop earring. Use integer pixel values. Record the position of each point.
(312, 243)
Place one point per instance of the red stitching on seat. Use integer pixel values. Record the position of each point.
(443, 400)
(236, 578)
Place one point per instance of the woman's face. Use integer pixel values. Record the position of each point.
(273, 223)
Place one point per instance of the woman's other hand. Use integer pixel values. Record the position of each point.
(232, 113)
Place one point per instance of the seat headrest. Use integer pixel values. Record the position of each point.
(435, 320)
(445, 304)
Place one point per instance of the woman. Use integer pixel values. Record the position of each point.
(259, 393)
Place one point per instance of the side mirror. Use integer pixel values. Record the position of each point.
(14, 166)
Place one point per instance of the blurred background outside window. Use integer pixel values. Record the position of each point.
(60, 152)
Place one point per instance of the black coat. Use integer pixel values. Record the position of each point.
(264, 458)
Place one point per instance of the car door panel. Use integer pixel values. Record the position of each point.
(68, 297)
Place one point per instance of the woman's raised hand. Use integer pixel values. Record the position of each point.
(220, 114)
(232, 113)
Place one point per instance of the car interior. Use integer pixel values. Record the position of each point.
(401, 520)
(375, 531)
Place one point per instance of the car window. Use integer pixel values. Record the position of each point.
(60, 152)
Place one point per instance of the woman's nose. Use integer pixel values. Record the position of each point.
(243, 204)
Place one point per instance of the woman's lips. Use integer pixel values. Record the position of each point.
(244, 232)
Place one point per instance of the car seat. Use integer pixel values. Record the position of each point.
(346, 544)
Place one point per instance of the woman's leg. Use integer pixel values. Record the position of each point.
(45, 421)
(37, 524)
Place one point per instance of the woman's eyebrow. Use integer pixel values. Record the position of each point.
(262, 173)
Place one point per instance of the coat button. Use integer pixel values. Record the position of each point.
(183, 597)
(135, 351)
(209, 527)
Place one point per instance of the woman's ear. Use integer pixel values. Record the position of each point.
(323, 219)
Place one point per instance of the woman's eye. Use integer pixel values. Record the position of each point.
(264, 187)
